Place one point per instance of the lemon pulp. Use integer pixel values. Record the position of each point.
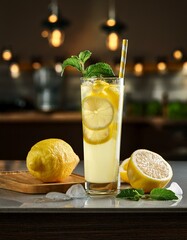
(148, 170)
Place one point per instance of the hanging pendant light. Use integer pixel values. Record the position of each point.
(162, 64)
(6, 54)
(178, 54)
(14, 68)
(54, 25)
(138, 68)
(113, 28)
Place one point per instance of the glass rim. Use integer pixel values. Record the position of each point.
(101, 78)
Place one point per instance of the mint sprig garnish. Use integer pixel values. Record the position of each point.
(99, 69)
(155, 194)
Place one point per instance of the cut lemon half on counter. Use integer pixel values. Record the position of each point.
(148, 170)
(123, 170)
(97, 112)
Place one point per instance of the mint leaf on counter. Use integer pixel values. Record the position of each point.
(95, 70)
(162, 194)
(155, 194)
(132, 194)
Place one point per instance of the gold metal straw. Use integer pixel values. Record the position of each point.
(123, 58)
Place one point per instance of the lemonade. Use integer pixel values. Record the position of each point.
(102, 107)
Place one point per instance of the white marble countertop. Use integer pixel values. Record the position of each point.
(11, 201)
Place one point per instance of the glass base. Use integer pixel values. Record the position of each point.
(101, 188)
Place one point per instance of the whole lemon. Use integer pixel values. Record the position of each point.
(51, 160)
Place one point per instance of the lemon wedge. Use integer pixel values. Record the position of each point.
(123, 170)
(148, 170)
(97, 112)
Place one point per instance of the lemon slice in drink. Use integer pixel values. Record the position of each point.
(123, 170)
(97, 112)
(148, 170)
(96, 136)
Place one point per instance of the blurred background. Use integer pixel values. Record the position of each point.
(36, 102)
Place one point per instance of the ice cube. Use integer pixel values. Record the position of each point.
(57, 196)
(76, 191)
(175, 188)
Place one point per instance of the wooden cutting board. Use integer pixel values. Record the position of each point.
(23, 181)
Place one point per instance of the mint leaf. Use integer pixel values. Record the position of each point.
(95, 70)
(162, 194)
(73, 61)
(84, 56)
(77, 61)
(155, 194)
(99, 70)
(132, 194)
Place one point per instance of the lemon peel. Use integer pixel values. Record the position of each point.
(123, 170)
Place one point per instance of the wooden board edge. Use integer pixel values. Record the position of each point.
(12, 185)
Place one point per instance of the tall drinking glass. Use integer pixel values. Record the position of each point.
(102, 108)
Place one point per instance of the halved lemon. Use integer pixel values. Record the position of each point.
(148, 170)
(97, 112)
(123, 170)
